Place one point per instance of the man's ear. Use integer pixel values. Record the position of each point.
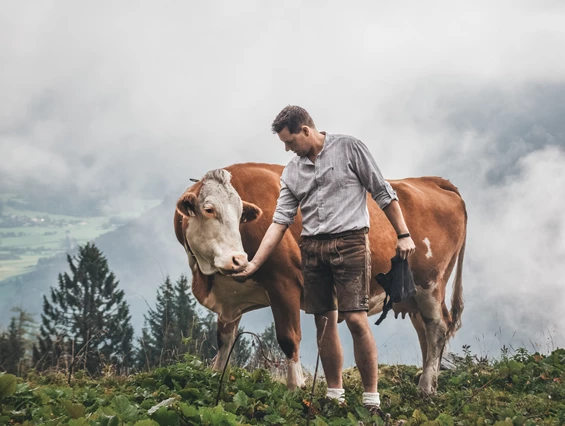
(250, 212)
(187, 204)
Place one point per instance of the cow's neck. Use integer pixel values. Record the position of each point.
(201, 284)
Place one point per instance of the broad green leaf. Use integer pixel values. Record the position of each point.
(260, 393)
(124, 409)
(22, 388)
(245, 386)
(216, 416)
(258, 375)
(319, 422)
(79, 422)
(108, 421)
(419, 416)
(190, 393)
(75, 411)
(274, 419)
(8, 385)
(189, 411)
(444, 420)
(231, 407)
(166, 417)
(241, 399)
(353, 419)
(149, 383)
(147, 422)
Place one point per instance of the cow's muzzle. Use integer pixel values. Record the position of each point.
(237, 263)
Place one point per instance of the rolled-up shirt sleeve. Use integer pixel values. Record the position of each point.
(369, 174)
(287, 206)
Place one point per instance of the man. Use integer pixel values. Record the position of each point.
(329, 179)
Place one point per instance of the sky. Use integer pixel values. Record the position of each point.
(132, 101)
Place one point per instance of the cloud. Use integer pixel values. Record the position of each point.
(132, 101)
(520, 270)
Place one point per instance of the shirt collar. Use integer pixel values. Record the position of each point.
(327, 140)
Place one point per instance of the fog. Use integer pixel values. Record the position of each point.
(129, 101)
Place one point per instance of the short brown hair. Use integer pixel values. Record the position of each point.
(293, 117)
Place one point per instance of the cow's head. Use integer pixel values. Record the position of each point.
(214, 215)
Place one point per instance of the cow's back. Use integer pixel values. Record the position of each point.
(432, 207)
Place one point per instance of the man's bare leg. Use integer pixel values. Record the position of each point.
(331, 353)
(364, 349)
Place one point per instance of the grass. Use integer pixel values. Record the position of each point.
(522, 389)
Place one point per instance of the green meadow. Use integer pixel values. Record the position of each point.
(28, 235)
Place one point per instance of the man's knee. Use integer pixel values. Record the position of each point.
(357, 322)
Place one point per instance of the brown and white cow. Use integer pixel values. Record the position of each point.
(221, 221)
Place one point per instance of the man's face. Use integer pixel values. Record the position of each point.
(299, 143)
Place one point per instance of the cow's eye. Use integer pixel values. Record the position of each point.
(209, 210)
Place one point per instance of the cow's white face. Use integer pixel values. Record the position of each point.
(213, 225)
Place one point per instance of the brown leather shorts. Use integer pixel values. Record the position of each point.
(337, 270)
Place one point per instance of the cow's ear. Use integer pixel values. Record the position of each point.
(250, 212)
(187, 203)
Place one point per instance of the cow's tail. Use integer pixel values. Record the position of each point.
(457, 304)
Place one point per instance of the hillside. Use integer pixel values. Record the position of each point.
(139, 252)
(520, 390)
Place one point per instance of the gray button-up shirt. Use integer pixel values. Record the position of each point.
(332, 192)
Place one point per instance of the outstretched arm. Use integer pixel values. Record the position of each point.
(270, 241)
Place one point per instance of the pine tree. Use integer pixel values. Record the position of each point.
(174, 327)
(4, 351)
(189, 324)
(17, 350)
(11, 349)
(147, 355)
(15, 343)
(163, 322)
(85, 321)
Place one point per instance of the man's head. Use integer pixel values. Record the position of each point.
(296, 129)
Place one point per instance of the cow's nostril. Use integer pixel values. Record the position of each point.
(239, 261)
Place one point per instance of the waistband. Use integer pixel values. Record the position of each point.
(338, 235)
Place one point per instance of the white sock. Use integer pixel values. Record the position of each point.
(338, 394)
(371, 399)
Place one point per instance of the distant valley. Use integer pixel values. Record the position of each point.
(34, 244)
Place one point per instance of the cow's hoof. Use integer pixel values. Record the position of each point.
(427, 387)
(427, 392)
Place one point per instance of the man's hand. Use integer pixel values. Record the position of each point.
(272, 238)
(405, 247)
(249, 270)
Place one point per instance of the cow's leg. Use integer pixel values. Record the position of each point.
(286, 313)
(420, 327)
(226, 336)
(432, 310)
